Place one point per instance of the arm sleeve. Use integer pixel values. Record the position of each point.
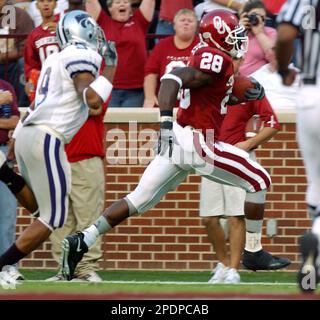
(80, 59)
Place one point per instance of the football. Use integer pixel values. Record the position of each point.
(253, 126)
(240, 86)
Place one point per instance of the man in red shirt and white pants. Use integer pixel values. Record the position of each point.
(221, 201)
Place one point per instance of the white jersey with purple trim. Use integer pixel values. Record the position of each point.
(57, 103)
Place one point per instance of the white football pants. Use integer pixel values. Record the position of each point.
(216, 161)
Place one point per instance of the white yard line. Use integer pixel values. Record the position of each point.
(163, 282)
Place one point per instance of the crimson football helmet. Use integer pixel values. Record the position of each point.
(221, 29)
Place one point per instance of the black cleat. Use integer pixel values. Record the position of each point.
(308, 275)
(73, 248)
(263, 260)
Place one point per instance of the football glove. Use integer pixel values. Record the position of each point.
(256, 93)
(110, 54)
(165, 142)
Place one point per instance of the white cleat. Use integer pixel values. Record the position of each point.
(13, 272)
(219, 274)
(6, 281)
(232, 276)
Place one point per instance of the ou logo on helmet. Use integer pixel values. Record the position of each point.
(219, 24)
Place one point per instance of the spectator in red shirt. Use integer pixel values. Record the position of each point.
(40, 43)
(169, 53)
(168, 10)
(220, 201)
(129, 33)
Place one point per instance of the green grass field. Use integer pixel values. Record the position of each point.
(150, 283)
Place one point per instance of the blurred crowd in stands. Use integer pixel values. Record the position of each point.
(152, 37)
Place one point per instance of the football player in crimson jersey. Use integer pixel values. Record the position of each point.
(184, 145)
(40, 43)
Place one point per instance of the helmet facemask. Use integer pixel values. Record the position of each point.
(238, 40)
(102, 45)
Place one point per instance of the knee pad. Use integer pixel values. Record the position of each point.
(132, 208)
(140, 201)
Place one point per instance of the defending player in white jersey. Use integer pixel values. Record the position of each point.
(186, 145)
(69, 85)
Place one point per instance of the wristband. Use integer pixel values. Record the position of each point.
(166, 113)
(102, 87)
(229, 3)
(166, 119)
(171, 76)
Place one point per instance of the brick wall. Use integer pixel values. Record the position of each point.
(170, 236)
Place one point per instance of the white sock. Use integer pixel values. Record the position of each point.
(253, 241)
(91, 235)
